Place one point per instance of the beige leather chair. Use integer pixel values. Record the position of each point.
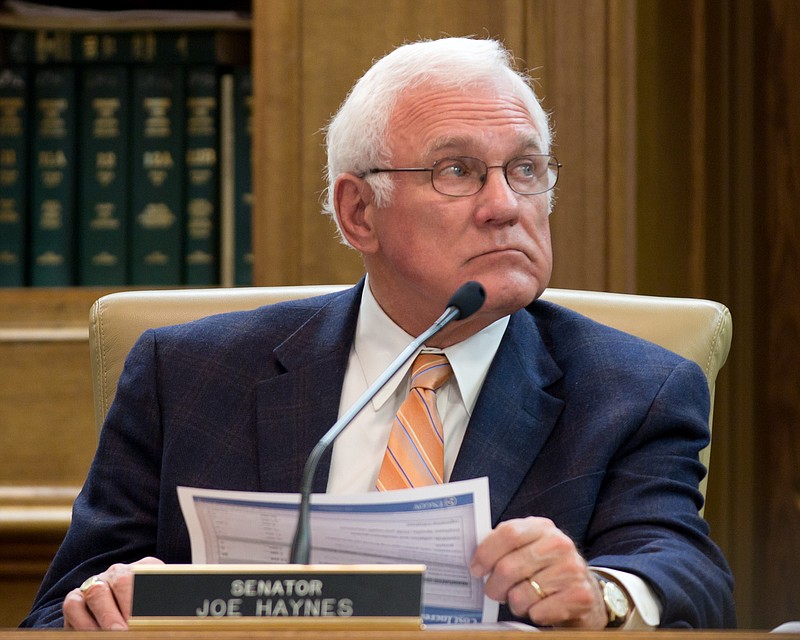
(699, 330)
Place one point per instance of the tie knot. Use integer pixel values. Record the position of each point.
(430, 371)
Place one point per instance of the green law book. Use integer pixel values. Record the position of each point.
(103, 175)
(14, 109)
(53, 176)
(157, 134)
(201, 177)
(243, 182)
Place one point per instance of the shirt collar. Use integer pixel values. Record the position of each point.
(378, 341)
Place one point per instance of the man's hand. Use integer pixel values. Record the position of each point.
(104, 601)
(535, 568)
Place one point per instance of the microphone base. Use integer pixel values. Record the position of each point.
(328, 596)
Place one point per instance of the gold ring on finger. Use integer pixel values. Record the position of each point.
(89, 583)
(541, 593)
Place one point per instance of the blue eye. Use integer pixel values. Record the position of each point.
(452, 168)
(525, 168)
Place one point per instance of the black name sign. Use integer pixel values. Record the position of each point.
(165, 595)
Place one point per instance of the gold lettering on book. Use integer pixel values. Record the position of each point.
(156, 215)
(157, 164)
(199, 258)
(51, 218)
(8, 177)
(157, 123)
(104, 259)
(11, 116)
(52, 123)
(8, 211)
(106, 120)
(105, 217)
(156, 258)
(50, 259)
(99, 47)
(53, 45)
(105, 167)
(200, 224)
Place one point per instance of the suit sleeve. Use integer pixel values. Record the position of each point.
(646, 519)
(114, 518)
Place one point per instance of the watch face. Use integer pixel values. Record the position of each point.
(616, 600)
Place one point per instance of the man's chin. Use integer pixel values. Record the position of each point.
(512, 294)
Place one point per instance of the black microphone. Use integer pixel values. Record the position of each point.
(465, 301)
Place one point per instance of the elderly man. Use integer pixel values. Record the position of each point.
(439, 172)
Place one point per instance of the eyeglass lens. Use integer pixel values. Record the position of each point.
(463, 176)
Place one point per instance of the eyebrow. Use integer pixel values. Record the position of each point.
(529, 144)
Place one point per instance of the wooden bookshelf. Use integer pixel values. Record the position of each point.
(47, 434)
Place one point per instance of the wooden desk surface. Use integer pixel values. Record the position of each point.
(283, 634)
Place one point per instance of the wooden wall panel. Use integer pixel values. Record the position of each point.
(664, 131)
(277, 158)
(50, 387)
(694, 224)
(47, 438)
(581, 54)
(778, 180)
(622, 171)
(568, 45)
(721, 262)
(319, 65)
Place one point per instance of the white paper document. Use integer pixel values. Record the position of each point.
(438, 526)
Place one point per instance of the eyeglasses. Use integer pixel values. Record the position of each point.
(465, 176)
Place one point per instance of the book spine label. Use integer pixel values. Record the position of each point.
(243, 184)
(103, 175)
(202, 214)
(13, 174)
(157, 175)
(53, 171)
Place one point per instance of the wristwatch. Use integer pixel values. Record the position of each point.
(618, 605)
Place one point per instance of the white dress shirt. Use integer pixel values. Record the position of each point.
(358, 451)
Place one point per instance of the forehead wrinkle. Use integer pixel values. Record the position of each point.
(529, 143)
(468, 116)
(466, 110)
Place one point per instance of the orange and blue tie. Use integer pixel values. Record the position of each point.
(415, 454)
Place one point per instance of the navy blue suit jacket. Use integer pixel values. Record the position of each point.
(593, 428)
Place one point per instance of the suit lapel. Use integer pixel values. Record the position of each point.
(511, 421)
(513, 416)
(296, 408)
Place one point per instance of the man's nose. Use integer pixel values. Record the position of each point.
(499, 199)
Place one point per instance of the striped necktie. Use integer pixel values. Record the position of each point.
(415, 453)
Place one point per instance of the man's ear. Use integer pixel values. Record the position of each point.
(354, 202)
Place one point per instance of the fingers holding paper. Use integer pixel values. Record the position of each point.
(536, 569)
(103, 601)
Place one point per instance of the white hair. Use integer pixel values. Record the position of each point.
(356, 137)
